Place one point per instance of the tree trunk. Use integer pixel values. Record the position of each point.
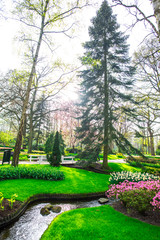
(106, 116)
(24, 133)
(30, 134)
(151, 141)
(26, 99)
(31, 120)
(156, 7)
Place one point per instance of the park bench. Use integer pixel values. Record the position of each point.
(38, 158)
(69, 159)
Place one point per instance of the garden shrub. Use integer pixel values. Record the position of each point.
(141, 196)
(38, 152)
(158, 151)
(153, 170)
(120, 155)
(142, 160)
(138, 199)
(117, 177)
(151, 166)
(55, 158)
(35, 173)
(49, 144)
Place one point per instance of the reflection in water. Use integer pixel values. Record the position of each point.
(32, 224)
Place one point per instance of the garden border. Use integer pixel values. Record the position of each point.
(38, 197)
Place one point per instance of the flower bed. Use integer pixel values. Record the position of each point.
(117, 177)
(141, 196)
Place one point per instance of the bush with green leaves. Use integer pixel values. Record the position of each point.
(139, 199)
(120, 155)
(142, 160)
(35, 173)
(158, 151)
(117, 177)
(153, 170)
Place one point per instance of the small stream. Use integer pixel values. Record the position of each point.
(32, 224)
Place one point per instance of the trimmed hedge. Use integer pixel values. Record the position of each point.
(35, 173)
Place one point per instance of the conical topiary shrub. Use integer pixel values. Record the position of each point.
(55, 157)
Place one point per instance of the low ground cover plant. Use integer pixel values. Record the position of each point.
(117, 177)
(141, 196)
(1, 201)
(12, 200)
(35, 173)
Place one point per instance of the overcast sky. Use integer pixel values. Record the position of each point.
(69, 49)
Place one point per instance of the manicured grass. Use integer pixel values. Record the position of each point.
(156, 157)
(118, 167)
(112, 157)
(76, 181)
(99, 223)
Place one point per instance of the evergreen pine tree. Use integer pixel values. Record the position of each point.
(105, 81)
(55, 157)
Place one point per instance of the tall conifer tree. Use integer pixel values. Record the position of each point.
(105, 81)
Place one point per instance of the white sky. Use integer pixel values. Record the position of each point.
(69, 49)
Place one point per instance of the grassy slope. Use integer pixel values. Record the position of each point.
(118, 167)
(99, 223)
(76, 181)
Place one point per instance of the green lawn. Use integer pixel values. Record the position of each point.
(118, 167)
(99, 223)
(90, 223)
(76, 181)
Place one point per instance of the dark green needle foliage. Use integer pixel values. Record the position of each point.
(106, 81)
(55, 158)
(49, 144)
(61, 143)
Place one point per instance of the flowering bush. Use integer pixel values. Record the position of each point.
(138, 195)
(117, 177)
(156, 201)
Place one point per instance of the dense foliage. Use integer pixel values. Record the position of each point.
(35, 173)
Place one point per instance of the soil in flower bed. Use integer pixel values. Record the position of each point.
(151, 217)
(7, 209)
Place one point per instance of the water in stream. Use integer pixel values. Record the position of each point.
(32, 224)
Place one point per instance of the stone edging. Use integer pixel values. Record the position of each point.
(63, 197)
